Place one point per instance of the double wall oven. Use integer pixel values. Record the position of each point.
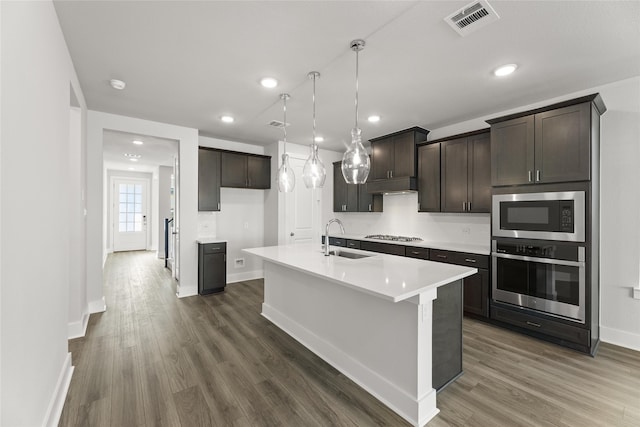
(538, 252)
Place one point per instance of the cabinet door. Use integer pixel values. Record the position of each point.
(476, 293)
(562, 144)
(214, 272)
(512, 151)
(382, 152)
(454, 161)
(208, 180)
(429, 178)
(234, 170)
(339, 188)
(479, 177)
(258, 172)
(368, 202)
(404, 155)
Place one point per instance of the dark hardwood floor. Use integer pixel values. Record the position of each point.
(155, 360)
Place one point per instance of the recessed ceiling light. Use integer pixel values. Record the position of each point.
(505, 70)
(131, 169)
(374, 119)
(319, 139)
(133, 159)
(227, 119)
(132, 156)
(269, 82)
(117, 84)
(137, 142)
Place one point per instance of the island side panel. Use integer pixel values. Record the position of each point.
(447, 334)
(383, 346)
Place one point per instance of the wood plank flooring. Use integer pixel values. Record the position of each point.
(155, 360)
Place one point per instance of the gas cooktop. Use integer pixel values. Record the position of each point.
(393, 238)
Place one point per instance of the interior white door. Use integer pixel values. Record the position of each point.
(129, 214)
(175, 271)
(301, 211)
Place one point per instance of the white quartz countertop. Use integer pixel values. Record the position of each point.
(447, 246)
(206, 240)
(390, 277)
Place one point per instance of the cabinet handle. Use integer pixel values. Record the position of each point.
(470, 260)
(391, 172)
(537, 325)
(415, 252)
(464, 206)
(218, 205)
(441, 256)
(529, 176)
(538, 175)
(369, 207)
(468, 206)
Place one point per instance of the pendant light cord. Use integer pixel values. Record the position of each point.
(357, 54)
(284, 125)
(314, 110)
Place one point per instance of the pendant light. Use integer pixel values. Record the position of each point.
(286, 178)
(355, 162)
(314, 172)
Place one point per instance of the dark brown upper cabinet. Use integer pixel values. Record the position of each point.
(242, 170)
(546, 145)
(429, 178)
(352, 197)
(208, 179)
(466, 173)
(394, 156)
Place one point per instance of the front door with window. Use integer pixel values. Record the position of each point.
(130, 215)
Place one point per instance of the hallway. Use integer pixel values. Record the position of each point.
(152, 359)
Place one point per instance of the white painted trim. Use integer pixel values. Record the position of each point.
(97, 306)
(247, 275)
(394, 397)
(618, 337)
(78, 329)
(52, 416)
(186, 291)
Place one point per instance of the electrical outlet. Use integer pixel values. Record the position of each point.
(636, 293)
(239, 263)
(246, 225)
(466, 230)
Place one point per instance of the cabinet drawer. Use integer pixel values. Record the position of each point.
(384, 248)
(442, 256)
(471, 260)
(354, 244)
(214, 248)
(541, 325)
(411, 252)
(337, 241)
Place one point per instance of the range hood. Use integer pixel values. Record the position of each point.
(403, 184)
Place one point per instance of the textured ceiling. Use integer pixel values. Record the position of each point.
(188, 63)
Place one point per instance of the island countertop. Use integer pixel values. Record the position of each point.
(390, 277)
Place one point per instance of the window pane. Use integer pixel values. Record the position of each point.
(123, 198)
(131, 207)
(130, 226)
(138, 198)
(131, 198)
(138, 208)
(123, 208)
(130, 188)
(138, 189)
(122, 227)
(123, 188)
(123, 217)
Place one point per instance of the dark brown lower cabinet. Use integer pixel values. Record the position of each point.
(476, 293)
(446, 353)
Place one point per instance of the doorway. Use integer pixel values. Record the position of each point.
(130, 198)
(302, 208)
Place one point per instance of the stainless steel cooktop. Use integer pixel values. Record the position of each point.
(393, 238)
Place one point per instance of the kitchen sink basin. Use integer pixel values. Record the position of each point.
(351, 255)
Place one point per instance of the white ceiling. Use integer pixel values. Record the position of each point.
(153, 151)
(188, 63)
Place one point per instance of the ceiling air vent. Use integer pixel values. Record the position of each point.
(277, 124)
(472, 17)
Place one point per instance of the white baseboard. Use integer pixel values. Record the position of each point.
(618, 337)
(97, 306)
(247, 275)
(186, 291)
(52, 417)
(78, 329)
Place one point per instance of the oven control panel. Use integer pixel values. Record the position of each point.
(566, 218)
(552, 250)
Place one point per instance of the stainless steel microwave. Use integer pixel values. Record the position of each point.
(547, 216)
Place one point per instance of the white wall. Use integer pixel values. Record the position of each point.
(96, 235)
(36, 72)
(240, 220)
(620, 203)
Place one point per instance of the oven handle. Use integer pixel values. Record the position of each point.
(541, 260)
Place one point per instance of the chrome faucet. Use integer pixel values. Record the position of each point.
(326, 234)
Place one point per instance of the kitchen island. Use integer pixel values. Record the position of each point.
(372, 318)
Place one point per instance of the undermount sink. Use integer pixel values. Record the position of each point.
(351, 255)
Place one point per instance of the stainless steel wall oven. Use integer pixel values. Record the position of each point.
(549, 277)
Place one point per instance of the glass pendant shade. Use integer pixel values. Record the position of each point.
(314, 172)
(355, 161)
(286, 178)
